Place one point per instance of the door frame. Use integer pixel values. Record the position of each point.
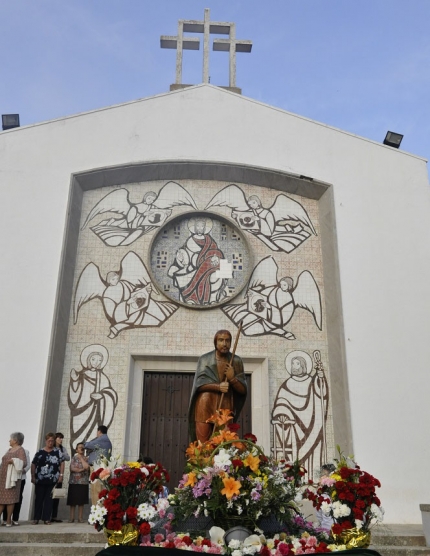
(258, 367)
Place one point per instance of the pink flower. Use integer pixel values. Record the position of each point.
(327, 481)
(105, 473)
(312, 541)
(159, 538)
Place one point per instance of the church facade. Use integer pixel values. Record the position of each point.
(133, 233)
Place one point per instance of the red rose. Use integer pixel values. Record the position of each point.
(285, 549)
(95, 474)
(114, 524)
(234, 427)
(265, 551)
(145, 529)
(103, 493)
(237, 462)
(114, 494)
(187, 540)
(206, 542)
(251, 437)
(336, 529)
(131, 512)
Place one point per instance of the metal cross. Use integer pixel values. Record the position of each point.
(181, 43)
(170, 389)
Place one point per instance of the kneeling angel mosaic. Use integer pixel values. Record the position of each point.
(283, 226)
(136, 219)
(126, 296)
(270, 302)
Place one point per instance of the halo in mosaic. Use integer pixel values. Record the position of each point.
(200, 260)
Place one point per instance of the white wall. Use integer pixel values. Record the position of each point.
(382, 205)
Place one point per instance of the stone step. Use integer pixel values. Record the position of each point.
(64, 533)
(388, 550)
(50, 549)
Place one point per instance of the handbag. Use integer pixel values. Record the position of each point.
(58, 492)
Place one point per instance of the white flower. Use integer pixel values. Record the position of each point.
(144, 471)
(326, 508)
(377, 513)
(358, 524)
(162, 504)
(222, 459)
(217, 535)
(234, 544)
(236, 553)
(146, 512)
(252, 549)
(340, 510)
(252, 540)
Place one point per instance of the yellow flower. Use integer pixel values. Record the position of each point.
(231, 487)
(133, 464)
(191, 479)
(253, 462)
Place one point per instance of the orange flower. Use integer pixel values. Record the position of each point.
(252, 462)
(224, 416)
(221, 417)
(191, 479)
(231, 487)
(193, 450)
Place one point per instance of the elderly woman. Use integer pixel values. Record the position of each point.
(10, 474)
(78, 483)
(59, 444)
(47, 470)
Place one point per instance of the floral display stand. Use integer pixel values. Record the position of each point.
(234, 500)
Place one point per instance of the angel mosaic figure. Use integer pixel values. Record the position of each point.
(282, 227)
(91, 398)
(126, 296)
(137, 218)
(270, 303)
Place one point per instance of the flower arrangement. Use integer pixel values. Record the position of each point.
(348, 497)
(127, 505)
(231, 480)
(280, 545)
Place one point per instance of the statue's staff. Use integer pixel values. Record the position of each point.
(231, 360)
(320, 369)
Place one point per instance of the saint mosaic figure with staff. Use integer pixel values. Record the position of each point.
(300, 412)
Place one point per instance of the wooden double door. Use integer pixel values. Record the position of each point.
(164, 430)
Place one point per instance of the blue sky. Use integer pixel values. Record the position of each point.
(359, 66)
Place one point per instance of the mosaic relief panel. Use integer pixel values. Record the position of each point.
(158, 319)
(270, 301)
(136, 219)
(126, 295)
(200, 260)
(299, 415)
(91, 398)
(282, 227)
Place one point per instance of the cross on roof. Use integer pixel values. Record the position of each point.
(207, 27)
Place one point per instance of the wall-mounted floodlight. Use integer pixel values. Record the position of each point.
(393, 139)
(9, 121)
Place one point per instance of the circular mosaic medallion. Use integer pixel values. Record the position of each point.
(200, 260)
